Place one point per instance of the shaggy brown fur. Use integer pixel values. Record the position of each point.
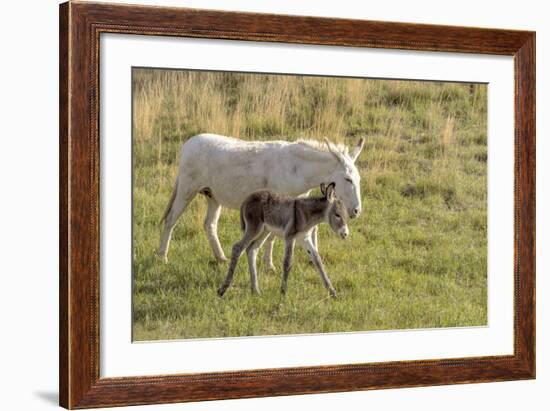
(291, 218)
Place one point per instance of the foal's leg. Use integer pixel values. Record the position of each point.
(313, 234)
(308, 243)
(182, 199)
(252, 253)
(289, 250)
(251, 233)
(268, 253)
(314, 237)
(313, 231)
(211, 227)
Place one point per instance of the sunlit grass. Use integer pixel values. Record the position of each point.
(417, 255)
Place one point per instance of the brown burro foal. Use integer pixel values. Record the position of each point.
(293, 219)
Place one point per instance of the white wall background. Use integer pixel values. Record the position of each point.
(29, 217)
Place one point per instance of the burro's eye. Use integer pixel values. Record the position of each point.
(349, 180)
(337, 215)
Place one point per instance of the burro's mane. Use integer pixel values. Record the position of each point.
(322, 146)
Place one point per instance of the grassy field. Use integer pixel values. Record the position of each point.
(417, 255)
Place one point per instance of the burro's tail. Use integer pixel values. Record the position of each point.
(170, 203)
(241, 214)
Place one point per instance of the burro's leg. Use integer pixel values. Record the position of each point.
(252, 253)
(268, 253)
(289, 250)
(211, 226)
(252, 232)
(308, 244)
(179, 202)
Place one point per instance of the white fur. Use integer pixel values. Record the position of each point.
(232, 169)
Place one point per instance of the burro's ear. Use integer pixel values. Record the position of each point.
(334, 151)
(323, 188)
(357, 149)
(329, 191)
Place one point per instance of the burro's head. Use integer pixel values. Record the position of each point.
(346, 176)
(337, 215)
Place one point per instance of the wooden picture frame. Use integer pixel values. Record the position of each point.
(80, 27)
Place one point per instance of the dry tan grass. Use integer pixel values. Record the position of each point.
(267, 105)
(447, 135)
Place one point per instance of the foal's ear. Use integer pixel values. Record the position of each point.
(323, 188)
(329, 191)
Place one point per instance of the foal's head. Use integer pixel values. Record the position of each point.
(337, 212)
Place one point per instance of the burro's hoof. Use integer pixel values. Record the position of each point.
(333, 293)
(271, 268)
(283, 290)
(222, 259)
(221, 291)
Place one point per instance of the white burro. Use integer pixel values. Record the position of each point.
(227, 170)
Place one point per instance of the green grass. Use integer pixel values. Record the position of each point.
(416, 257)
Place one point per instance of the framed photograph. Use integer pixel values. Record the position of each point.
(259, 205)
